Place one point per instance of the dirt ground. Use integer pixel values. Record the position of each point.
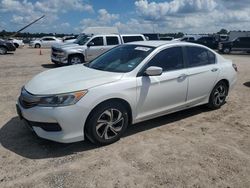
(192, 148)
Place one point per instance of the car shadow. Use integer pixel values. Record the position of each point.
(49, 66)
(9, 53)
(15, 137)
(247, 84)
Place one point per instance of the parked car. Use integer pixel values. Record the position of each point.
(209, 41)
(16, 42)
(6, 46)
(239, 44)
(45, 42)
(187, 39)
(88, 47)
(69, 39)
(167, 38)
(128, 84)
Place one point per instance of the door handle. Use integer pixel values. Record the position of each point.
(214, 69)
(182, 77)
(102, 49)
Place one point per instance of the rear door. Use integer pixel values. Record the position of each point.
(202, 73)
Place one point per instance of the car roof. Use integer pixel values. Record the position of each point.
(158, 43)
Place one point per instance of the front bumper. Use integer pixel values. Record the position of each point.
(45, 121)
(59, 60)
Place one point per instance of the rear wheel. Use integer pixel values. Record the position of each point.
(75, 59)
(3, 50)
(218, 95)
(107, 123)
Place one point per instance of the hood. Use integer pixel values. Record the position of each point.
(65, 46)
(69, 79)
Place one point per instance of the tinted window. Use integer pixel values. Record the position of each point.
(98, 41)
(168, 59)
(132, 38)
(48, 39)
(112, 40)
(199, 56)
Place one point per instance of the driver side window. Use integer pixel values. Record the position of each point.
(168, 59)
(97, 41)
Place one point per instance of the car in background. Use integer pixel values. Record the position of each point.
(6, 46)
(88, 47)
(187, 39)
(166, 38)
(152, 36)
(18, 43)
(239, 44)
(128, 84)
(69, 39)
(45, 42)
(208, 41)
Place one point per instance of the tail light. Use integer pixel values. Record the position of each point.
(235, 67)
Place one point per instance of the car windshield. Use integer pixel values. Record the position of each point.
(82, 39)
(122, 58)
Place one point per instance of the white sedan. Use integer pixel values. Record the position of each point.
(126, 85)
(45, 42)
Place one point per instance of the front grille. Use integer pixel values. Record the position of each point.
(27, 100)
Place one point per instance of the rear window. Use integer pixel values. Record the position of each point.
(112, 40)
(198, 56)
(132, 38)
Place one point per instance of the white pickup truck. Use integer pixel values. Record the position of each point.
(88, 47)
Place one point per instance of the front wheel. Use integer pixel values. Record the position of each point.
(218, 95)
(3, 50)
(75, 59)
(37, 46)
(107, 123)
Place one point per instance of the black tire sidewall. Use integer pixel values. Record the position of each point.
(72, 56)
(92, 121)
(5, 50)
(211, 98)
(37, 46)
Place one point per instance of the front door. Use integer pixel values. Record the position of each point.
(157, 95)
(95, 48)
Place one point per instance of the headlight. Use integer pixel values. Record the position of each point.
(62, 99)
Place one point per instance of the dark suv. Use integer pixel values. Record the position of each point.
(239, 44)
(208, 41)
(6, 46)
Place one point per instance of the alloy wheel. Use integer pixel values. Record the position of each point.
(109, 124)
(75, 60)
(220, 95)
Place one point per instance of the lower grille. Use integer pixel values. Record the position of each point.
(50, 127)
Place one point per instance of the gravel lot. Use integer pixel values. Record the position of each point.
(192, 148)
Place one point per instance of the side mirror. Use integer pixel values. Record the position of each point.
(153, 71)
(90, 44)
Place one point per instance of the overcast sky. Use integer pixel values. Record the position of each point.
(130, 16)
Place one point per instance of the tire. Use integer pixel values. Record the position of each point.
(3, 50)
(37, 45)
(16, 45)
(100, 127)
(218, 95)
(75, 59)
(226, 50)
